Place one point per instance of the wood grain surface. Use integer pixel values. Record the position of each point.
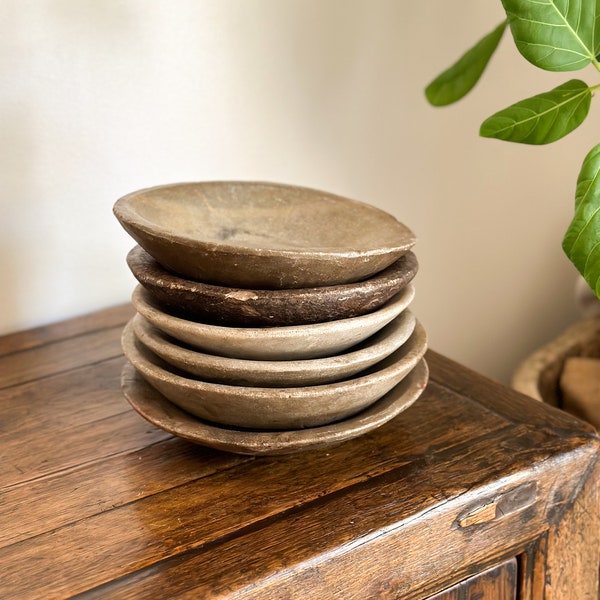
(96, 502)
(499, 583)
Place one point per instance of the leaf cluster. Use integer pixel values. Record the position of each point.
(554, 35)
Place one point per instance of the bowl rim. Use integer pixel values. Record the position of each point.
(401, 360)
(395, 333)
(143, 301)
(127, 215)
(159, 277)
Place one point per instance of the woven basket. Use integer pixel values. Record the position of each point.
(538, 375)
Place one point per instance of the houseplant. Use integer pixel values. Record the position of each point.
(554, 35)
(561, 36)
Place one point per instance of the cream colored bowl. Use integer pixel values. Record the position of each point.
(291, 342)
(275, 408)
(156, 409)
(262, 235)
(276, 373)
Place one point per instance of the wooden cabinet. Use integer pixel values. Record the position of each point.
(474, 492)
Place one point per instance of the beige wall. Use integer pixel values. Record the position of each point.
(99, 98)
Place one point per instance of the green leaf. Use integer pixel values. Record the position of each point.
(541, 119)
(582, 239)
(458, 80)
(556, 35)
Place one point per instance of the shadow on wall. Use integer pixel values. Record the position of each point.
(17, 166)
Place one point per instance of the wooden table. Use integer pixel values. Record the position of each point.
(473, 492)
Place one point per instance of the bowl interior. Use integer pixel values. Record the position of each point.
(263, 217)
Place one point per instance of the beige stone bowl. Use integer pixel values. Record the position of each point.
(276, 373)
(156, 409)
(275, 408)
(292, 342)
(262, 235)
(198, 301)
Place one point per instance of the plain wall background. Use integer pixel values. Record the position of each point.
(100, 98)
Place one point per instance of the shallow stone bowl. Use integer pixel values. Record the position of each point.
(156, 409)
(276, 373)
(195, 300)
(291, 342)
(275, 408)
(262, 235)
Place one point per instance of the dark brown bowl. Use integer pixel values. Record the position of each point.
(195, 300)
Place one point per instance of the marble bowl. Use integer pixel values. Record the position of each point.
(292, 342)
(275, 408)
(156, 409)
(199, 301)
(276, 373)
(262, 235)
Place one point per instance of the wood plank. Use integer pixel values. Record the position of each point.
(67, 422)
(573, 545)
(114, 543)
(66, 400)
(499, 583)
(60, 356)
(393, 536)
(48, 503)
(121, 433)
(508, 403)
(31, 338)
(532, 569)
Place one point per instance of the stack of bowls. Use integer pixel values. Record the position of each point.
(269, 318)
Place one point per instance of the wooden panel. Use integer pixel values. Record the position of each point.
(56, 357)
(532, 569)
(47, 503)
(512, 405)
(79, 446)
(162, 525)
(568, 570)
(63, 401)
(74, 418)
(497, 583)
(38, 336)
